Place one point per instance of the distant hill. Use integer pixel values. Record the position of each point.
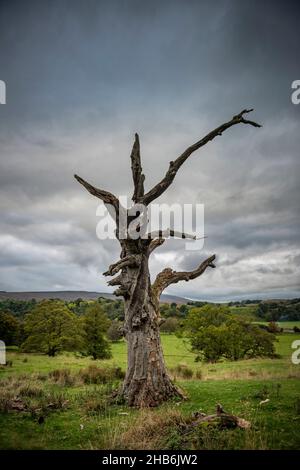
(70, 295)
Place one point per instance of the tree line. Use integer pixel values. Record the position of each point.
(51, 326)
(213, 331)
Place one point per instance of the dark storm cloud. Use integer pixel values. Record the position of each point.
(82, 77)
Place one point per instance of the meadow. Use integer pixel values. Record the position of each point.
(65, 402)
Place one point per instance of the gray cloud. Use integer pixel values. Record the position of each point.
(82, 77)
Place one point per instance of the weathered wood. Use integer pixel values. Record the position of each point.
(147, 382)
(168, 276)
(136, 168)
(221, 419)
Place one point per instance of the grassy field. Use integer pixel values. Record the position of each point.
(284, 324)
(79, 416)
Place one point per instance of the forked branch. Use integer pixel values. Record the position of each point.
(168, 276)
(160, 187)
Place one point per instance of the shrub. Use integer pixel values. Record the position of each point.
(7, 403)
(62, 377)
(97, 375)
(30, 390)
(95, 405)
(50, 328)
(183, 371)
(94, 402)
(170, 325)
(95, 323)
(42, 377)
(9, 327)
(273, 327)
(114, 332)
(53, 400)
(213, 334)
(148, 430)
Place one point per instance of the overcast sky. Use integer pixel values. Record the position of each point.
(82, 77)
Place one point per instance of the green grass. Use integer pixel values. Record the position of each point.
(289, 325)
(176, 351)
(240, 387)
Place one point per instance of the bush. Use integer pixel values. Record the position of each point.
(50, 328)
(95, 323)
(170, 325)
(30, 390)
(274, 328)
(94, 402)
(97, 375)
(183, 371)
(9, 328)
(62, 377)
(53, 401)
(114, 332)
(215, 334)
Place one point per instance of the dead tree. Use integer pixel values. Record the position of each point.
(147, 382)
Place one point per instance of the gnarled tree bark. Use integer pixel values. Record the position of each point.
(147, 382)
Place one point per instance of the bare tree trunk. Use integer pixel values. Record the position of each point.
(147, 382)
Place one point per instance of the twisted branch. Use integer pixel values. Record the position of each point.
(168, 276)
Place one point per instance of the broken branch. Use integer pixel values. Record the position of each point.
(128, 261)
(105, 196)
(136, 167)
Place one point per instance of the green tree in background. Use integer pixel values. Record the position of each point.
(170, 325)
(207, 316)
(18, 308)
(114, 332)
(215, 334)
(95, 324)
(9, 328)
(50, 328)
